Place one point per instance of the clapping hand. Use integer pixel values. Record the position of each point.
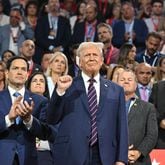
(24, 110)
(13, 111)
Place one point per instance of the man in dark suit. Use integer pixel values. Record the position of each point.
(129, 29)
(27, 51)
(17, 125)
(142, 122)
(90, 111)
(12, 35)
(157, 98)
(87, 30)
(151, 54)
(52, 31)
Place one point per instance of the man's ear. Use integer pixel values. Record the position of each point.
(20, 50)
(6, 74)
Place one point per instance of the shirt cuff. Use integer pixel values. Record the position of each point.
(51, 47)
(29, 123)
(60, 94)
(8, 121)
(22, 26)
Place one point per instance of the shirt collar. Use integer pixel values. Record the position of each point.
(141, 86)
(12, 91)
(155, 54)
(86, 77)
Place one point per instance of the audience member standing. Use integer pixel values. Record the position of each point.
(91, 112)
(27, 51)
(31, 13)
(12, 35)
(142, 123)
(52, 31)
(143, 73)
(2, 75)
(18, 128)
(129, 29)
(79, 15)
(37, 83)
(45, 60)
(157, 98)
(58, 66)
(87, 30)
(6, 55)
(156, 15)
(4, 19)
(105, 34)
(151, 54)
(160, 70)
(127, 55)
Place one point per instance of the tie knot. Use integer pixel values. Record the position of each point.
(92, 80)
(144, 87)
(16, 94)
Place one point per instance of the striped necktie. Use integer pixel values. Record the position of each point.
(93, 107)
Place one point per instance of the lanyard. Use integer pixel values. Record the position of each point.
(153, 63)
(103, 6)
(109, 55)
(31, 68)
(52, 22)
(90, 31)
(155, 24)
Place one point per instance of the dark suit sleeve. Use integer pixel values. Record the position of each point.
(151, 135)
(55, 108)
(42, 130)
(122, 130)
(118, 34)
(2, 123)
(42, 32)
(140, 34)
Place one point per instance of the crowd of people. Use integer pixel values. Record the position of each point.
(81, 82)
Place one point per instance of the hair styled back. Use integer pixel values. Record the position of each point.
(54, 55)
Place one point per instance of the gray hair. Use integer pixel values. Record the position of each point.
(86, 45)
(106, 26)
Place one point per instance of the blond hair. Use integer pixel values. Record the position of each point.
(54, 55)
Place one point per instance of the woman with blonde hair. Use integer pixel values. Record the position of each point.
(58, 66)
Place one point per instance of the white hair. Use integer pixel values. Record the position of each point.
(86, 45)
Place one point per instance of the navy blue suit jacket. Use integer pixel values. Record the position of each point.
(139, 28)
(42, 31)
(79, 33)
(153, 60)
(17, 138)
(71, 110)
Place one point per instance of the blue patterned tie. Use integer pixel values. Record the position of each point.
(92, 101)
(16, 94)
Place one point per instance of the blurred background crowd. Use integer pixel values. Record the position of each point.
(48, 32)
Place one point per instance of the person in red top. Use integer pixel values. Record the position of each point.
(105, 35)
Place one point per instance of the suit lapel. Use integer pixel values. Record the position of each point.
(7, 99)
(27, 95)
(103, 88)
(137, 92)
(133, 110)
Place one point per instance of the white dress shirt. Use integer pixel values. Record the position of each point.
(96, 84)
